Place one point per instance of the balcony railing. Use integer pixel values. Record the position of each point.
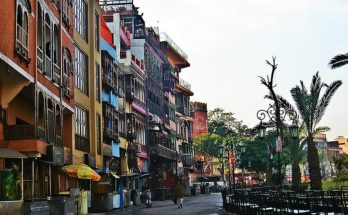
(166, 152)
(48, 66)
(39, 60)
(109, 82)
(22, 43)
(187, 160)
(56, 74)
(139, 63)
(123, 54)
(184, 84)
(166, 38)
(109, 133)
(183, 110)
(25, 132)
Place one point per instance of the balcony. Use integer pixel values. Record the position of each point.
(183, 110)
(165, 38)
(184, 84)
(125, 34)
(82, 143)
(109, 82)
(187, 160)
(109, 133)
(165, 152)
(25, 138)
(139, 63)
(24, 132)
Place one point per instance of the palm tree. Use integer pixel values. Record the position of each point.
(311, 107)
(296, 153)
(338, 61)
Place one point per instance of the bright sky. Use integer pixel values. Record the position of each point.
(228, 41)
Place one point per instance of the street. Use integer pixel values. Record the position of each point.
(205, 204)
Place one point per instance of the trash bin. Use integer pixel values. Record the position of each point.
(193, 191)
(36, 208)
(102, 202)
(62, 205)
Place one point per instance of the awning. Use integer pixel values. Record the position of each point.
(114, 175)
(81, 171)
(10, 153)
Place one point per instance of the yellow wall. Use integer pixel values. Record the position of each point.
(343, 141)
(89, 102)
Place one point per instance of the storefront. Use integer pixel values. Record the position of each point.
(11, 181)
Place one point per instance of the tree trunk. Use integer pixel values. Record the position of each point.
(296, 175)
(269, 172)
(313, 163)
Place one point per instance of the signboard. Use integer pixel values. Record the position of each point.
(279, 144)
(139, 27)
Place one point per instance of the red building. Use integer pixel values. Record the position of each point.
(36, 103)
(200, 119)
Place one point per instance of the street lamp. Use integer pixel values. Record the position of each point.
(221, 158)
(277, 115)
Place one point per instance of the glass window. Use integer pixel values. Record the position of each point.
(96, 33)
(81, 123)
(97, 73)
(98, 127)
(80, 17)
(81, 78)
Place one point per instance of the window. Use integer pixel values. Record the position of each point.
(98, 127)
(97, 73)
(66, 20)
(81, 78)
(22, 26)
(48, 47)
(81, 129)
(66, 73)
(96, 33)
(80, 18)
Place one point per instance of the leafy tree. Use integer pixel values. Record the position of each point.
(208, 144)
(311, 106)
(338, 61)
(341, 163)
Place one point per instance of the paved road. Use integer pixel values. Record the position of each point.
(205, 204)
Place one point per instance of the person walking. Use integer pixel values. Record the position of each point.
(179, 193)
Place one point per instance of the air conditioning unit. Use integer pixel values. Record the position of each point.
(90, 160)
(55, 154)
(153, 118)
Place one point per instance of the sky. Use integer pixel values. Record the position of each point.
(228, 41)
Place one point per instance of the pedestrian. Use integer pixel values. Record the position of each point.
(179, 193)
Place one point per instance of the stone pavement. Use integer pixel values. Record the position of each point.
(204, 204)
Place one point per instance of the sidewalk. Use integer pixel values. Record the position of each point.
(201, 204)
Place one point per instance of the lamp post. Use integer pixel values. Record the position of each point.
(276, 112)
(276, 117)
(221, 158)
(229, 149)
